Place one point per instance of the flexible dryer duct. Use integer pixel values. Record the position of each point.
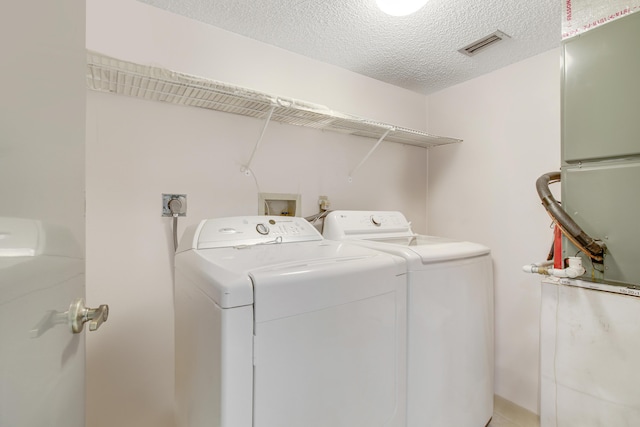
(591, 247)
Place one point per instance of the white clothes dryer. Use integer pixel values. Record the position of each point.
(450, 317)
(277, 327)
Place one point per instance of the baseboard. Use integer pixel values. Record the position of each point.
(514, 413)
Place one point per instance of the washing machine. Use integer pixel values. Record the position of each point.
(277, 327)
(450, 316)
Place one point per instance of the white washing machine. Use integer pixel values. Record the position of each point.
(450, 317)
(277, 327)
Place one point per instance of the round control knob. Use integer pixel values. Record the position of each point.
(376, 220)
(262, 229)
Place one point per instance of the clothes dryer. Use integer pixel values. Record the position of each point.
(277, 327)
(450, 316)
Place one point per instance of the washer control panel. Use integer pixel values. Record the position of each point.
(251, 230)
(262, 229)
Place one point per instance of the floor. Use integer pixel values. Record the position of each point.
(501, 421)
(508, 414)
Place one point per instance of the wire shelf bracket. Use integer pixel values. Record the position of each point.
(247, 168)
(366, 157)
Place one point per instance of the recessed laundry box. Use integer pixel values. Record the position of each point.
(277, 327)
(450, 316)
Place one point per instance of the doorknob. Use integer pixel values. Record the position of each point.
(79, 314)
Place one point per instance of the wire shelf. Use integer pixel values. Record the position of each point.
(106, 74)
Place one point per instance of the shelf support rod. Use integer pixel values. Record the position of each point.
(368, 154)
(247, 168)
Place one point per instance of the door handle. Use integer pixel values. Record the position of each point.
(79, 314)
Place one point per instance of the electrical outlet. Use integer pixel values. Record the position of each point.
(166, 198)
(323, 202)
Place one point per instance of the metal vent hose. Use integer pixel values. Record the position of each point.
(593, 248)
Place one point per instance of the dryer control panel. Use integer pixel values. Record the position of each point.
(339, 225)
(250, 230)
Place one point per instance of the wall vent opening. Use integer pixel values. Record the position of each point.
(483, 43)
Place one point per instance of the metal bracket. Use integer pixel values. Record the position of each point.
(368, 154)
(247, 168)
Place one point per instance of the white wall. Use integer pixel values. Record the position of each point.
(138, 149)
(484, 190)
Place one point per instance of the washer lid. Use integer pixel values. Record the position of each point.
(305, 286)
(231, 275)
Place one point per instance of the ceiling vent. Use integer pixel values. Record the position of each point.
(483, 43)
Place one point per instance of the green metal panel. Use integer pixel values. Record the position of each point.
(601, 143)
(604, 199)
(601, 92)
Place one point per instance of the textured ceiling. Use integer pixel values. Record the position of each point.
(418, 52)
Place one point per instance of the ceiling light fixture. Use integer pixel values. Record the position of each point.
(400, 7)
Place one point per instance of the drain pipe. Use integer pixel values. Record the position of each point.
(574, 269)
(593, 248)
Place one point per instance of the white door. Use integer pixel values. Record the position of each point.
(42, 133)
